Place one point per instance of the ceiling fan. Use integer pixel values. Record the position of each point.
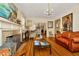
(49, 10)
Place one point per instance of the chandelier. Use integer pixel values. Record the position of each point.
(49, 10)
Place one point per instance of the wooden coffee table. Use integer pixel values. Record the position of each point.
(41, 44)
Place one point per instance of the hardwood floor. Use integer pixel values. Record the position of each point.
(26, 49)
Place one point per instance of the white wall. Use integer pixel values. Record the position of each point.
(75, 11)
(76, 19)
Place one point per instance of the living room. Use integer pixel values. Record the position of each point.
(54, 25)
(43, 29)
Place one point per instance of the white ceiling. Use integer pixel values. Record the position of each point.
(36, 10)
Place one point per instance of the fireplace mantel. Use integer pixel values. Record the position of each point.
(6, 24)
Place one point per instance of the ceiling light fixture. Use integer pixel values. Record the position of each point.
(49, 11)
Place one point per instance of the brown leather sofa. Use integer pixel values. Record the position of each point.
(69, 40)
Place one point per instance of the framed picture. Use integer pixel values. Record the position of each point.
(50, 24)
(29, 23)
(5, 10)
(67, 22)
(57, 23)
(57, 26)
